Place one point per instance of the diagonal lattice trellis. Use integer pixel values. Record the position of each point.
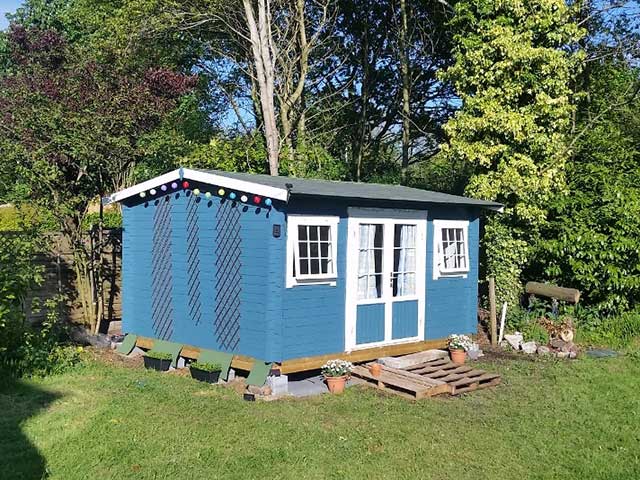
(193, 261)
(228, 241)
(161, 278)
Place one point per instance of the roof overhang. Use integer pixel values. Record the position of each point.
(202, 177)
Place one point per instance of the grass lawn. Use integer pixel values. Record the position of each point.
(549, 419)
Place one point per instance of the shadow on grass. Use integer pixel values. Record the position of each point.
(19, 458)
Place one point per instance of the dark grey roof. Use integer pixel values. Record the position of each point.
(366, 191)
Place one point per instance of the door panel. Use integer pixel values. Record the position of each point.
(405, 319)
(370, 323)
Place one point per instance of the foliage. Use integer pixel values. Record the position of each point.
(459, 342)
(513, 76)
(206, 367)
(337, 368)
(25, 349)
(616, 331)
(110, 219)
(592, 240)
(72, 128)
(25, 216)
(158, 355)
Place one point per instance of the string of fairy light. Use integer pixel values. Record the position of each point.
(257, 199)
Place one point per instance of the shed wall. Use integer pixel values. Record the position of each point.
(198, 272)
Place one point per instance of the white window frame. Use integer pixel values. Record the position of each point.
(295, 221)
(438, 255)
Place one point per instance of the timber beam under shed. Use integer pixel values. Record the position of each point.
(242, 362)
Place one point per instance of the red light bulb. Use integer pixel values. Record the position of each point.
(185, 184)
(257, 199)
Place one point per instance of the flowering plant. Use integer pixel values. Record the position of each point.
(337, 368)
(460, 342)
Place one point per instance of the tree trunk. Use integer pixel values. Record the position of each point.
(263, 61)
(406, 90)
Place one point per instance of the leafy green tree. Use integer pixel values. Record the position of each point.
(591, 242)
(513, 75)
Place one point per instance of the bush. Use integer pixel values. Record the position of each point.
(618, 331)
(25, 349)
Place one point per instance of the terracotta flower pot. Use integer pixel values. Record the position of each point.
(458, 356)
(375, 369)
(336, 384)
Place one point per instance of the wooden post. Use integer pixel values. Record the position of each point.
(492, 311)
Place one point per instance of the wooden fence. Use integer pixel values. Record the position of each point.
(59, 279)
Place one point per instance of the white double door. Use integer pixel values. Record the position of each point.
(386, 275)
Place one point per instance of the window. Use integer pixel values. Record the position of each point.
(370, 260)
(403, 276)
(311, 249)
(451, 249)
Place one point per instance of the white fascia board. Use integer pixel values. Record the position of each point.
(235, 184)
(142, 187)
(204, 177)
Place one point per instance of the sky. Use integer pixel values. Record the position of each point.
(7, 6)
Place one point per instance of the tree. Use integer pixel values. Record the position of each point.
(513, 73)
(72, 128)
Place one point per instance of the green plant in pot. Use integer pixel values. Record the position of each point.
(205, 372)
(336, 372)
(160, 361)
(458, 346)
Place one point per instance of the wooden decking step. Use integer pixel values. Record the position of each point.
(402, 382)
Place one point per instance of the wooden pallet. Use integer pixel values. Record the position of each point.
(461, 378)
(402, 382)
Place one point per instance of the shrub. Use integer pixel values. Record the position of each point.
(616, 331)
(158, 355)
(206, 367)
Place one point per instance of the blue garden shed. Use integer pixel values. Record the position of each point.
(290, 270)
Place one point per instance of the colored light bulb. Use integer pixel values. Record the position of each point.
(257, 199)
(174, 185)
(142, 194)
(185, 184)
(163, 188)
(152, 191)
(207, 195)
(196, 192)
(232, 196)
(221, 192)
(268, 202)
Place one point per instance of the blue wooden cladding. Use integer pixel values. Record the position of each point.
(404, 319)
(210, 272)
(370, 323)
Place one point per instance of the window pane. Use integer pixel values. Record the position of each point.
(313, 233)
(324, 250)
(303, 249)
(313, 250)
(315, 266)
(302, 232)
(325, 265)
(324, 233)
(377, 255)
(304, 267)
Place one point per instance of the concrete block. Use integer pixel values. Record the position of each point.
(279, 385)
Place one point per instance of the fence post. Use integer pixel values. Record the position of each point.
(492, 311)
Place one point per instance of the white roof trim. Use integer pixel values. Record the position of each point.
(142, 187)
(233, 183)
(198, 176)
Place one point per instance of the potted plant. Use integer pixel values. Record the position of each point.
(205, 372)
(336, 372)
(157, 360)
(458, 346)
